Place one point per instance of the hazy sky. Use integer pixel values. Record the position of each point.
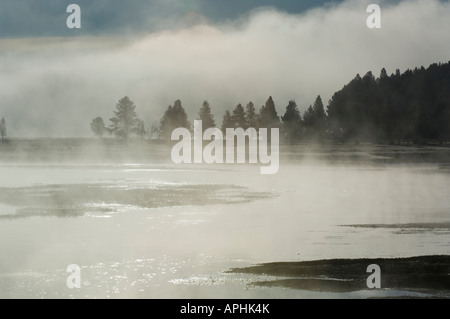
(53, 80)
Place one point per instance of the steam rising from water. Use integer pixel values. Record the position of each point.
(189, 224)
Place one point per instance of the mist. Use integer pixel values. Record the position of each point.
(53, 87)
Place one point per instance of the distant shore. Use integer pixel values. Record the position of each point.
(424, 274)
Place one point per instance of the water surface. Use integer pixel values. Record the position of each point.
(159, 230)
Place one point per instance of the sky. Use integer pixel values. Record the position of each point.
(39, 18)
(55, 80)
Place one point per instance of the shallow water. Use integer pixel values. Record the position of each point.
(171, 231)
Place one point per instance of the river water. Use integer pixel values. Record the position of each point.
(160, 230)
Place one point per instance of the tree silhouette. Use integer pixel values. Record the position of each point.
(238, 116)
(3, 128)
(206, 116)
(383, 74)
(125, 120)
(268, 116)
(309, 117)
(251, 118)
(227, 122)
(413, 106)
(292, 122)
(98, 127)
(315, 120)
(319, 111)
(173, 118)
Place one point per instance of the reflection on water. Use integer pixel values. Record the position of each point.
(158, 231)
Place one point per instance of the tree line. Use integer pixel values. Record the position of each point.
(409, 107)
(412, 107)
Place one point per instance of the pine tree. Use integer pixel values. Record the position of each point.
(319, 111)
(309, 117)
(314, 119)
(383, 74)
(125, 119)
(251, 118)
(292, 113)
(368, 77)
(181, 116)
(238, 116)
(206, 116)
(292, 122)
(227, 122)
(268, 116)
(173, 118)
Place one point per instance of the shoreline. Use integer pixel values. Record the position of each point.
(423, 274)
